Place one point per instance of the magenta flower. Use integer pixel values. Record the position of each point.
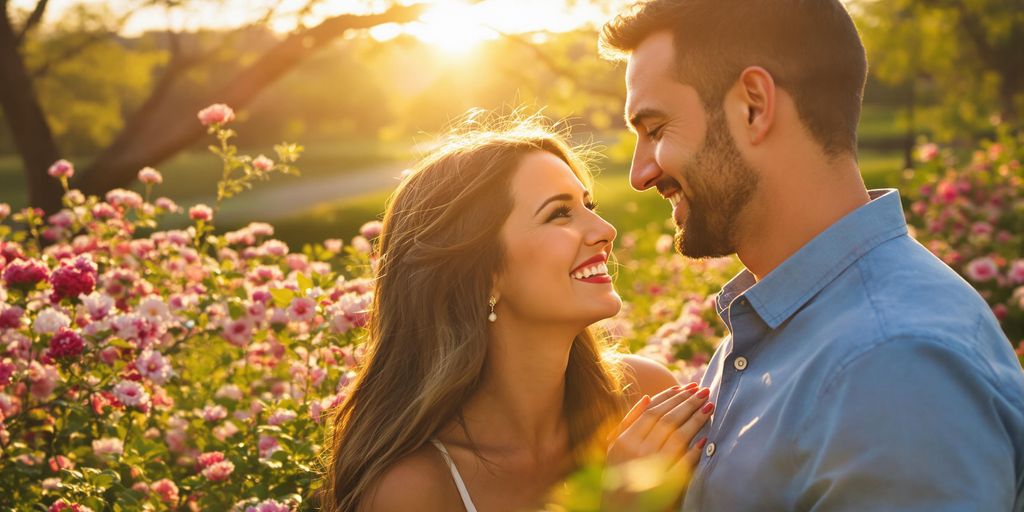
(200, 212)
(25, 273)
(73, 279)
(66, 345)
(61, 169)
(269, 506)
(218, 113)
(10, 317)
(62, 505)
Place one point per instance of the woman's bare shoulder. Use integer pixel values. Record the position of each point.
(418, 481)
(645, 376)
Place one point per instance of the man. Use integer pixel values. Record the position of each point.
(861, 373)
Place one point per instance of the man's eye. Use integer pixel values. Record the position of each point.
(654, 133)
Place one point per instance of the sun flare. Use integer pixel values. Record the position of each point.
(453, 27)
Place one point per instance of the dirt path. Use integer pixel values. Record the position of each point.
(284, 196)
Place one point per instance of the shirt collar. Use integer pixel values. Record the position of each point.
(787, 288)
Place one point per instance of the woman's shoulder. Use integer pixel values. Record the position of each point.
(643, 376)
(418, 481)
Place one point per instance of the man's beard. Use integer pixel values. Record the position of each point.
(721, 185)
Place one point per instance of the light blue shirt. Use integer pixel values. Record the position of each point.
(862, 374)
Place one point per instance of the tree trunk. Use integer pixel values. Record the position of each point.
(32, 136)
(168, 128)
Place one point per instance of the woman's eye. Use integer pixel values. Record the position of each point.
(561, 211)
(591, 205)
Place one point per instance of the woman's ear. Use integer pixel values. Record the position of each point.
(757, 94)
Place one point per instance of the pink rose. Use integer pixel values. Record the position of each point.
(25, 273)
(267, 446)
(66, 344)
(371, 229)
(302, 309)
(200, 212)
(210, 458)
(107, 446)
(982, 269)
(5, 211)
(218, 113)
(1016, 273)
(131, 393)
(219, 471)
(166, 490)
(927, 152)
(73, 279)
(61, 169)
(150, 176)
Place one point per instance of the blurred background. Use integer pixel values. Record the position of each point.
(365, 86)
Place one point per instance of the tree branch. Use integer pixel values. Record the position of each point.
(32, 21)
(73, 51)
(559, 69)
(164, 129)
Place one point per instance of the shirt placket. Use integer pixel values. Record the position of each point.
(741, 320)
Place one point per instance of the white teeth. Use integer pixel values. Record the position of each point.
(599, 269)
(675, 198)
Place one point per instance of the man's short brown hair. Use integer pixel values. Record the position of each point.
(810, 47)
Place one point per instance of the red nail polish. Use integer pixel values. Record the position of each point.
(691, 385)
(707, 408)
(704, 393)
(701, 443)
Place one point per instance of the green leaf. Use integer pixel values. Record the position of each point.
(282, 296)
(304, 283)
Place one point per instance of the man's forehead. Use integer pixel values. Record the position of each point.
(649, 63)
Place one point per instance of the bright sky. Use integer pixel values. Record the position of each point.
(453, 25)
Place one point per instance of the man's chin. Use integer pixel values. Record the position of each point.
(689, 244)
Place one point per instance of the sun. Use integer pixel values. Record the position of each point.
(453, 27)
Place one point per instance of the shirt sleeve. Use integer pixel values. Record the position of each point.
(910, 425)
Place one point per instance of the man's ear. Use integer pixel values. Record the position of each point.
(757, 93)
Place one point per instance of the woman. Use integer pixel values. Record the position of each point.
(482, 385)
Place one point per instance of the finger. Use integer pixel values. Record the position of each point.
(665, 395)
(686, 464)
(683, 421)
(638, 408)
(642, 427)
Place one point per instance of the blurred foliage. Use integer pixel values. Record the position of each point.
(960, 60)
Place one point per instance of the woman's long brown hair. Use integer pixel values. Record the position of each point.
(438, 253)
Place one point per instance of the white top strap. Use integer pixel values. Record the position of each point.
(456, 476)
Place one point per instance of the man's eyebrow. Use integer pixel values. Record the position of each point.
(560, 197)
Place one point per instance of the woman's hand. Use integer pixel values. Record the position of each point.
(657, 431)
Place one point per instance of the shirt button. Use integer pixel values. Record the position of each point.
(740, 363)
(710, 449)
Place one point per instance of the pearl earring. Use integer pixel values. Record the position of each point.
(493, 317)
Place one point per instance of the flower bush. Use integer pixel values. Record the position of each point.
(971, 215)
(146, 369)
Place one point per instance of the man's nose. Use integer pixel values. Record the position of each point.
(644, 171)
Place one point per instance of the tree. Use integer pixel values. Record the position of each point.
(966, 54)
(164, 122)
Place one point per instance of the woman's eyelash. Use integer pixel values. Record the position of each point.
(566, 211)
